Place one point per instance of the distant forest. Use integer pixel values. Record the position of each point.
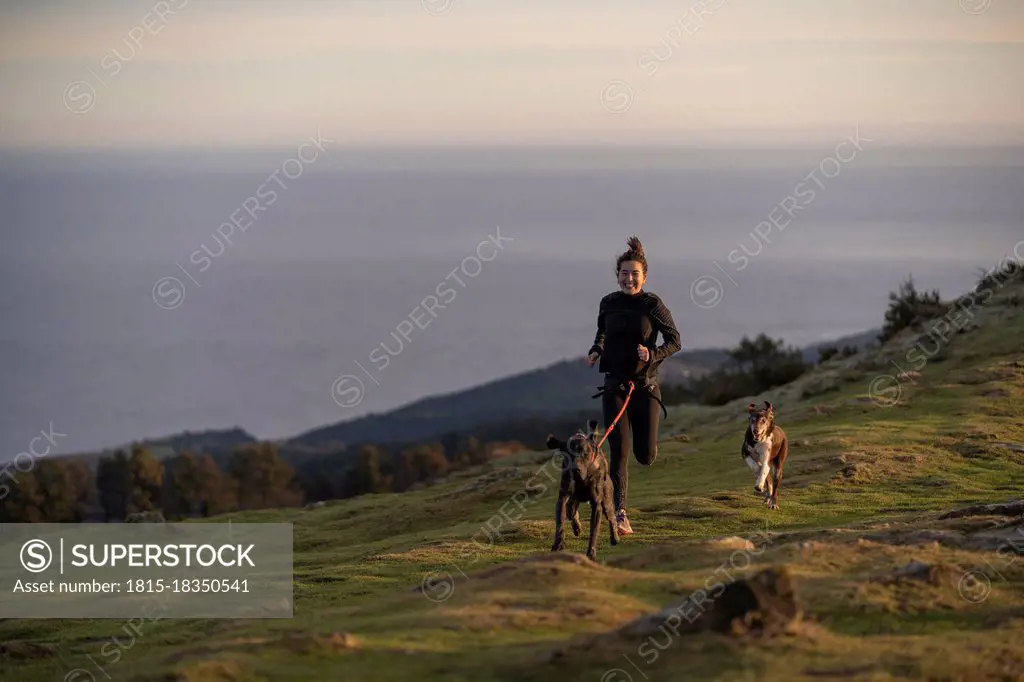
(252, 476)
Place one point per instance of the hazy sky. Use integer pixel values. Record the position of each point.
(271, 72)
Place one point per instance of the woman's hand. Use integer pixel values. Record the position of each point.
(591, 359)
(644, 354)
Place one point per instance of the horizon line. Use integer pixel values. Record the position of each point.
(526, 145)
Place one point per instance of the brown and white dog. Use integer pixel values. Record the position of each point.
(765, 448)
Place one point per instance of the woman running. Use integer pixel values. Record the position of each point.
(628, 323)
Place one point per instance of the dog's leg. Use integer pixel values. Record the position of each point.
(559, 544)
(769, 487)
(595, 527)
(764, 453)
(609, 513)
(574, 516)
(563, 497)
(783, 453)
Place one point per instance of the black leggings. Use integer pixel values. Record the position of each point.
(639, 424)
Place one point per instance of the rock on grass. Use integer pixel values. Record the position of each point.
(731, 542)
(764, 604)
(940, 575)
(1014, 508)
(20, 651)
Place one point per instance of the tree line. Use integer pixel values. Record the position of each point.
(253, 476)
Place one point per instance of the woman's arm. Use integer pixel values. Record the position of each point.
(598, 346)
(664, 323)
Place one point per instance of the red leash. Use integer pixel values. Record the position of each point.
(617, 417)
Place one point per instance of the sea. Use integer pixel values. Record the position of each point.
(147, 293)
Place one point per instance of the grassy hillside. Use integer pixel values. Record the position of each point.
(438, 585)
(564, 387)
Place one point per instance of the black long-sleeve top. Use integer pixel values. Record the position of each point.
(623, 323)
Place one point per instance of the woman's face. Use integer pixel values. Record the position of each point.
(631, 277)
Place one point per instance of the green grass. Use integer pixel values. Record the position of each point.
(854, 466)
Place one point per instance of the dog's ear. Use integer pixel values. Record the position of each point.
(751, 407)
(593, 427)
(768, 406)
(554, 443)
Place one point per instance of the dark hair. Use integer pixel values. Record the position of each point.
(635, 252)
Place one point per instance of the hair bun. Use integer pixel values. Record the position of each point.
(635, 245)
(635, 253)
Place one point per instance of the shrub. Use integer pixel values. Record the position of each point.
(851, 375)
(995, 278)
(826, 353)
(819, 386)
(908, 307)
(759, 365)
(944, 354)
(872, 363)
